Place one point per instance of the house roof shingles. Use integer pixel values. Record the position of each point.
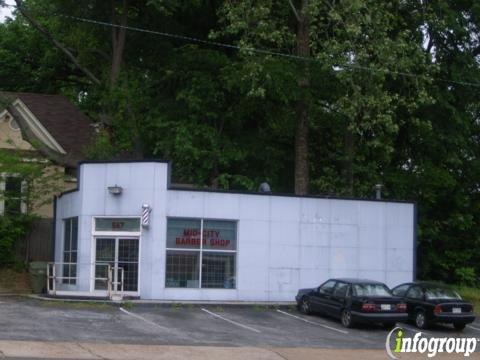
(69, 126)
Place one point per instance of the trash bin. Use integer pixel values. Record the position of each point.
(38, 276)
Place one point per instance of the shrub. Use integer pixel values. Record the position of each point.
(12, 229)
(466, 276)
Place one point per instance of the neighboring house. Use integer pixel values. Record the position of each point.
(41, 128)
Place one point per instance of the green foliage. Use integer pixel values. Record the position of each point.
(380, 108)
(128, 305)
(466, 276)
(471, 294)
(12, 228)
(39, 181)
(102, 147)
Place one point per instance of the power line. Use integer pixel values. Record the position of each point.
(188, 38)
(263, 51)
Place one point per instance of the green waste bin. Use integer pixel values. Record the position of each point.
(38, 276)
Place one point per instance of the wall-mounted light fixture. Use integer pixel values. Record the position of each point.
(115, 190)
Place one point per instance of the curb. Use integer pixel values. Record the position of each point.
(161, 302)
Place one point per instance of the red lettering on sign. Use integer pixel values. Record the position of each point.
(192, 237)
(219, 242)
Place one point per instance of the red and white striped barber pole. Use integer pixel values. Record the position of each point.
(146, 210)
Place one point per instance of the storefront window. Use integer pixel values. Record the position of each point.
(182, 269)
(218, 270)
(211, 243)
(183, 234)
(219, 235)
(70, 241)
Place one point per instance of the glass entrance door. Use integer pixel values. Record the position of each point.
(120, 255)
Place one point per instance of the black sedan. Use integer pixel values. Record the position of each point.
(353, 300)
(430, 303)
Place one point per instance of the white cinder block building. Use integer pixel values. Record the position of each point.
(212, 245)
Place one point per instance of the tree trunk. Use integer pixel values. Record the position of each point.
(56, 43)
(214, 176)
(302, 107)
(118, 41)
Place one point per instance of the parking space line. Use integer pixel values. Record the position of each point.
(312, 322)
(143, 319)
(231, 321)
(473, 327)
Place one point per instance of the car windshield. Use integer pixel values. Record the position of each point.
(441, 293)
(371, 290)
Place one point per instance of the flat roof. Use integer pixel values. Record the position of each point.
(238, 192)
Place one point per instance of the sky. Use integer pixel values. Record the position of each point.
(6, 11)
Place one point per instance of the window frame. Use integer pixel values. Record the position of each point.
(202, 250)
(412, 288)
(3, 186)
(337, 286)
(322, 291)
(359, 285)
(96, 232)
(69, 252)
(398, 288)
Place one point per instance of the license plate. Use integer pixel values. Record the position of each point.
(385, 307)
(457, 310)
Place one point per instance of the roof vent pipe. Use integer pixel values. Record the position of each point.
(264, 188)
(378, 191)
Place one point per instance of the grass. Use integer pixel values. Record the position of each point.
(258, 307)
(12, 281)
(78, 305)
(128, 305)
(472, 295)
(176, 306)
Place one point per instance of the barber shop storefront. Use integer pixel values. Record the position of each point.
(127, 232)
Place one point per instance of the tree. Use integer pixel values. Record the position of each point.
(361, 44)
(437, 161)
(363, 92)
(29, 183)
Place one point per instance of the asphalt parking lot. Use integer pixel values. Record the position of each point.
(201, 325)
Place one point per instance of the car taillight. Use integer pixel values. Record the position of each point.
(437, 310)
(402, 307)
(369, 307)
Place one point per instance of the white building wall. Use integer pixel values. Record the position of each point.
(284, 243)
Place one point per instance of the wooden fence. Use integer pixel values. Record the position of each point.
(38, 244)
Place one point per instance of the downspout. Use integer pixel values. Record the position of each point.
(415, 240)
(54, 229)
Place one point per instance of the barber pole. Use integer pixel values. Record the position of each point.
(146, 215)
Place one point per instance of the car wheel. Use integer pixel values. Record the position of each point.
(459, 326)
(389, 325)
(347, 320)
(421, 320)
(305, 306)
